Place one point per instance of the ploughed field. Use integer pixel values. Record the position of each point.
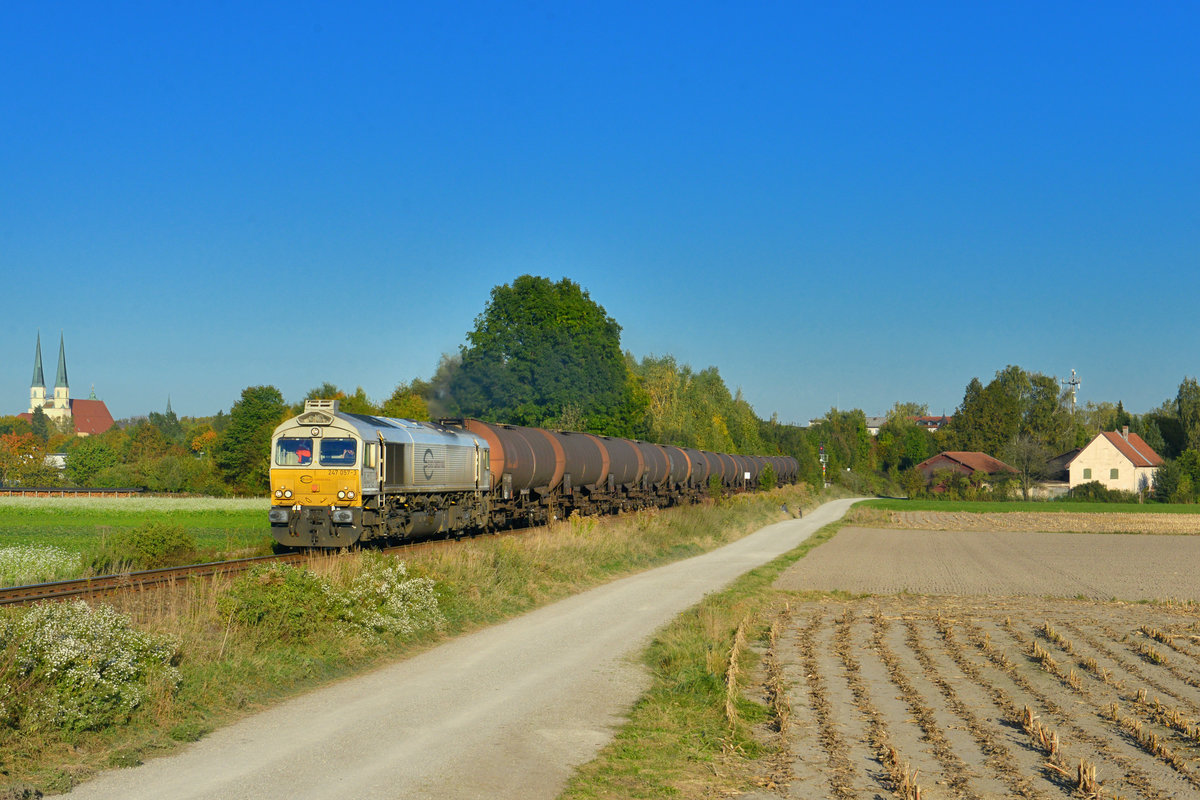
(989, 665)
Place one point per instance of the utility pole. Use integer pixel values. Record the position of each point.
(1074, 383)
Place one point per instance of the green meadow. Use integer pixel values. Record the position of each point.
(222, 527)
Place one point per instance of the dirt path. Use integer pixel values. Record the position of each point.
(506, 712)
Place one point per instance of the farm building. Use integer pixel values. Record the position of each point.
(962, 461)
(1117, 460)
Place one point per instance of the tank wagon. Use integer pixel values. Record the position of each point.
(338, 478)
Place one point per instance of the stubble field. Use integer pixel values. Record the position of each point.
(975, 670)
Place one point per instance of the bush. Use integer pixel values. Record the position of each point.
(294, 604)
(71, 667)
(384, 599)
(153, 545)
(716, 490)
(1096, 492)
(281, 600)
(766, 478)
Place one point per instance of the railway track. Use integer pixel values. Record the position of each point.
(108, 584)
(100, 585)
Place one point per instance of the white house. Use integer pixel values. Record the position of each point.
(1117, 460)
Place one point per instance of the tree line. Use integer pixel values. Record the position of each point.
(543, 353)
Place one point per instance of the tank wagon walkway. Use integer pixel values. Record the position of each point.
(505, 712)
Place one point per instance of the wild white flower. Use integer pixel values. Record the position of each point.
(37, 563)
(88, 666)
(162, 504)
(384, 599)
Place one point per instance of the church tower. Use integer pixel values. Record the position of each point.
(37, 391)
(62, 395)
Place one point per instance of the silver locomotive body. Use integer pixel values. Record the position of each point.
(340, 478)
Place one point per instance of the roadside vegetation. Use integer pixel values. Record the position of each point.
(219, 648)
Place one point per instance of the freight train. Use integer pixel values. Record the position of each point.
(338, 479)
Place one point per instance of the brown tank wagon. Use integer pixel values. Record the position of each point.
(700, 467)
(521, 459)
(625, 461)
(658, 464)
(681, 465)
(586, 458)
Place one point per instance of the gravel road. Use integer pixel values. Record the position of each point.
(508, 711)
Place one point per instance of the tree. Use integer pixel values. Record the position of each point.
(357, 403)
(23, 461)
(405, 402)
(1014, 402)
(242, 452)
(913, 482)
(168, 425)
(538, 347)
(88, 458)
(1029, 458)
(1187, 408)
(14, 424)
(40, 425)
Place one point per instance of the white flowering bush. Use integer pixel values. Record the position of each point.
(37, 563)
(72, 667)
(382, 598)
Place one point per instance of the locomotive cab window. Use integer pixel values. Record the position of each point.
(293, 452)
(338, 452)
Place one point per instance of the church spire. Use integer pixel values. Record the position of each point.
(38, 378)
(60, 382)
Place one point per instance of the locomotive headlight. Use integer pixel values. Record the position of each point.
(350, 495)
(341, 495)
(279, 492)
(287, 492)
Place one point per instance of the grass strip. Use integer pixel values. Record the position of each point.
(679, 740)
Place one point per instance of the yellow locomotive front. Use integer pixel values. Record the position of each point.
(316, 481)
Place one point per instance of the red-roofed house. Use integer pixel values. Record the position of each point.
(964, 461)
(1117, 460)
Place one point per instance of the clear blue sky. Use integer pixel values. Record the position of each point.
(835, 204)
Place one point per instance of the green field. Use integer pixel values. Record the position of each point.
(222, 526)
(1032, 506)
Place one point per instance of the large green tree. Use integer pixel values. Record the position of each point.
(242, 452)
(541, 348)
(87, 458)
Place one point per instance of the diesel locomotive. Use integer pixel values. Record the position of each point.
(338, 479)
